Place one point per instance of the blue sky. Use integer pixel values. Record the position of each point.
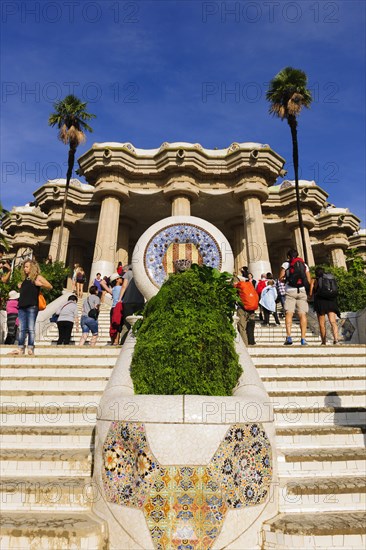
(155, 71)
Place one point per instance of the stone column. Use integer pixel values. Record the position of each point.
(123, 243)
(104, 260)
(240, 248)
(64, 244)
(181, 192)
(298, 244)
(338, 257)
(257, 249)
(181, 206)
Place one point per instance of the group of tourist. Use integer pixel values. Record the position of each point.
(22, 307)
(293, 288)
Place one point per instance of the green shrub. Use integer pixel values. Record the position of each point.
(185, 343)
(55, 273)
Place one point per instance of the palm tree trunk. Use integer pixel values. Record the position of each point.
(295, 156)
(70, 166)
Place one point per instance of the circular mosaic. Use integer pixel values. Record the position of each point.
(181, 241)
(177, 241)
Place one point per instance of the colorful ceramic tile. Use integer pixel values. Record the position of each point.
(185, 506)
(202, 246)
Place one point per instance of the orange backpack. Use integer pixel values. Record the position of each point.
(248, 295)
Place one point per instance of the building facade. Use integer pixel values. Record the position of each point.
(129, 189)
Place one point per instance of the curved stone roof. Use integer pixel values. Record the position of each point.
(214, 153)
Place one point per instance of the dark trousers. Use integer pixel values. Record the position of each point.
(266, 314)
(12, 328)
(128, 309)
(64, 332)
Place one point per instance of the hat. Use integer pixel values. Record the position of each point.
(114, 277)
(13, 295)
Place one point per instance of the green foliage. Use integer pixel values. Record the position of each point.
(355, 262)
(55, 273)
(351, 286)
(185, 343)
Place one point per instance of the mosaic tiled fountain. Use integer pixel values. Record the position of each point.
(184, 472)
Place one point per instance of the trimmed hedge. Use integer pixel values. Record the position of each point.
(185, 343)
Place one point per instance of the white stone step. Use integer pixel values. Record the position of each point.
(52, 398)
(299, 436)
(36, 462)
(341, 530)
(54, 372)
(52, 531)
(61, 360)
(37, 384)
(36, 415)
(321, 461)
(310, 361)
(322, 351)
(66, 493)
(283, 397)
(64, 351)
(47, 436)
(319, 414)
(331, 382)
(322, 494)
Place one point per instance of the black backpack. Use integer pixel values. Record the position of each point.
(296, 274)
(327, 286)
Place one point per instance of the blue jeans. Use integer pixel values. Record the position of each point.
(27, 321)
(87, 323)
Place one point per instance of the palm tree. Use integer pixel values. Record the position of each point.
(288, 94)
(3, 242)
(70, 116)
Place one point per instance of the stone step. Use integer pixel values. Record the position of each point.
(314, 397)
(322, 461)
(56, 398)
(35, 462)
(60, 360)
(340, 530)
(52, 531)
(319, 414)
(54, 372)
(311, 370)
(304, 436)
(36, 415)
(332, 383)
(323, 351)
(310, 361)
(66, 493)
(47, 436)
(69, 351)
(324, 494)
(37, 384)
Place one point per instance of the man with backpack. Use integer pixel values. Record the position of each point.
(296, 276)
(246, 309)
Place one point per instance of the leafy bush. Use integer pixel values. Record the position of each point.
(351, 286)
(185, 343)
(55, 273)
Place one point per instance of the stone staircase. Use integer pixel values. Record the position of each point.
(49, 406)
(319, 398)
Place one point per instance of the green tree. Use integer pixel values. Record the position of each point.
(70, 117)
(288, 94)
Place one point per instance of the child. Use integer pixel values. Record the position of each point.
(12, 321)
(268, 302)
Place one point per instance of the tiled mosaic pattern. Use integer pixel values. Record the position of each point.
(204, 244)
(185, 506)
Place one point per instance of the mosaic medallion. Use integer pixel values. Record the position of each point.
(177, 242)
(185, 506)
